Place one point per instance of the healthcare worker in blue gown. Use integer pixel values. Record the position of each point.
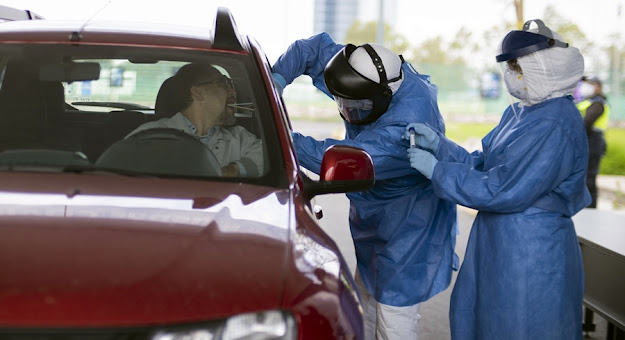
(403, 233)
(522, 276)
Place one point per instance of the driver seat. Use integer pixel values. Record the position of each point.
(169, 99)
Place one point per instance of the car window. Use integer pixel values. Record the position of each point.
(74, 108)
(122, 82)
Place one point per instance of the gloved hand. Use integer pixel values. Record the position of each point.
(424, 136)
(423, 161)
(279, 81)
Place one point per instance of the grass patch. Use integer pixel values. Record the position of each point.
(614, 161)
(461, 132)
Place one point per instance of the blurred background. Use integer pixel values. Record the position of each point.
(453, 41)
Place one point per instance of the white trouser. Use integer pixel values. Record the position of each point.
(384, 322)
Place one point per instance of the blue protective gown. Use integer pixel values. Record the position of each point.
(403, 234)
(522, 275)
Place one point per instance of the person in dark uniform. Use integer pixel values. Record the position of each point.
(596, 112)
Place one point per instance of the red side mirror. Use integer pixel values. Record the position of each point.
(346, 163)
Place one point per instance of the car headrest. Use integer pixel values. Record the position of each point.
(169, 99)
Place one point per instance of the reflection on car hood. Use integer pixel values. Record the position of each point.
(110, 260)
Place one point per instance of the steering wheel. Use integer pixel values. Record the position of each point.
(161, 151)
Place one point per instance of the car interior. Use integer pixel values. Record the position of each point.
(79, 101)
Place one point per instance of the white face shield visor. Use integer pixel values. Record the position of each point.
(513, 78)
(355, 110)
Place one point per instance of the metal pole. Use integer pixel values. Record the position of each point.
(616, 57)
(380, 37)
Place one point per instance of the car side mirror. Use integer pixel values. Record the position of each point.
(343, 169)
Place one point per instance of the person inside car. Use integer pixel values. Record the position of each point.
(204, 97)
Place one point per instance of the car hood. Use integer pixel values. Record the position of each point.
(102, 260)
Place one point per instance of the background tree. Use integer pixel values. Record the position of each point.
(518, 7)
(430, 51)
(361, 33)
(568, 29)
(614, 62)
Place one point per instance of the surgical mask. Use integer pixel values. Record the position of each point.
(586, 90)
(515, 84)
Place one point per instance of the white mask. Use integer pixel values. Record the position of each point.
(515, 84)
(586, 90)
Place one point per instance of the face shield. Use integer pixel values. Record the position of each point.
(529, 74)
(513, 78)
(355, 109)
(360, 100)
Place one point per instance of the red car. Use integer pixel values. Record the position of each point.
(105, 236)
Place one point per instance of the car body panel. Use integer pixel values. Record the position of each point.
(89, 248)
(96, 252)
(44, 31)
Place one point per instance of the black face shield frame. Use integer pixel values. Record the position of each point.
(519, 43)
(343, 81)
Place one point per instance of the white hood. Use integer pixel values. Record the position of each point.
(552, 72)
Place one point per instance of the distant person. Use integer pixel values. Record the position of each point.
(596, 112)
(522, 275)
(204, 97)
(404, 235)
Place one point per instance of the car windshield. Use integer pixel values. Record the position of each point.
(107, 109)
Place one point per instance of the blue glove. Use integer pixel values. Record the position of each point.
(423, 161)
(424, 136)
(279, 81)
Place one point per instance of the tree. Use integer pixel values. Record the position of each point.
(615, 53)
(569, 30)
(436, 50)
(463, 48)
(362, 33)
(518, 7)
(431, 51)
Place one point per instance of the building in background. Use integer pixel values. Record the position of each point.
(335, 17)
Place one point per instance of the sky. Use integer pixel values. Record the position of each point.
(277, 23)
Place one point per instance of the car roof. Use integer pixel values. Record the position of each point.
(223, 34)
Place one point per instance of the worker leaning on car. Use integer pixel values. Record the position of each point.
(404, 235)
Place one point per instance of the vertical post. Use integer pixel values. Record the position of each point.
(518, 7)
(380, 33)
(616, 57)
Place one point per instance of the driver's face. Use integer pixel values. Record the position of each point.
(219, 94)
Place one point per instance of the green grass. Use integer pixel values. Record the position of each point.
(460, 132)
(614, 161)
(612, 164)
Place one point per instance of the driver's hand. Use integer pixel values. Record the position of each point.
(230, 170)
